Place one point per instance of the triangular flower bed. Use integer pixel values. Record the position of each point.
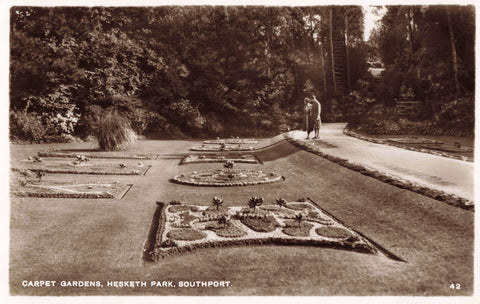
(181, 227)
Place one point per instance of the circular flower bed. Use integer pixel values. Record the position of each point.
(232, 177)
(333, 232)
(186, 234)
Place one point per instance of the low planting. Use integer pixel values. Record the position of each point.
(227, 230)
(436, 149)
(232, 141)
(333, 232)
(214, 158)
(75, 166)
(107, 155)
(69, 190)
(295, 228)
(186, 234)
(262, 224)
(229, 177)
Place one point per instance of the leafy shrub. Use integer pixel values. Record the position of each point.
(26, 126)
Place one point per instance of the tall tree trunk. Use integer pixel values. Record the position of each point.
(410, 30)
(331, 52)
(347, 53)
(322, 61)
(454, 52)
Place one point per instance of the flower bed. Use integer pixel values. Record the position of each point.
(68, 190)
(109, 155)
(297, 229)
(263, 224)
(333, 232)
(99, 167)
(220, 148)
(233, 177)
(429, 150)
(236, 226)
(214, 158)
(232, 141)
(229, 230)
(186, 234)
(414, 140)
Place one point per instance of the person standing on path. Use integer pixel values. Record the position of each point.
(308, 116)
(315, 116)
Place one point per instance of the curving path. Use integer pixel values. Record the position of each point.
(436, 172)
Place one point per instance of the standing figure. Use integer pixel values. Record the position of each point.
(317, 121)
(308, 116)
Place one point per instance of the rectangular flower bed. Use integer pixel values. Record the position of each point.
(108, 155)
(96, 166)
(69, 190)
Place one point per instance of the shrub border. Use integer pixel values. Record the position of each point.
(438, 195)
(349, 132)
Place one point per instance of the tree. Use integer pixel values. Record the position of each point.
(217, 202)
(281, 202)
(254, 202)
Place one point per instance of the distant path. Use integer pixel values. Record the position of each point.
(436, 172)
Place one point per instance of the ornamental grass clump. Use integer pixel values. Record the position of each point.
(113, 132)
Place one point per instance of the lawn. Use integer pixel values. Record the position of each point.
(103, 239)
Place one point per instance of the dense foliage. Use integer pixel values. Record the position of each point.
(429, 56)
(222, 71)
(171, 71)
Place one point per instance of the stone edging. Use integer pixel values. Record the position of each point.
(438, 195)
(352, 133)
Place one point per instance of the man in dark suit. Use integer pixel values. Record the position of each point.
(315, 114)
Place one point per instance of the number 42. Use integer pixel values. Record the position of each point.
(455, 286)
